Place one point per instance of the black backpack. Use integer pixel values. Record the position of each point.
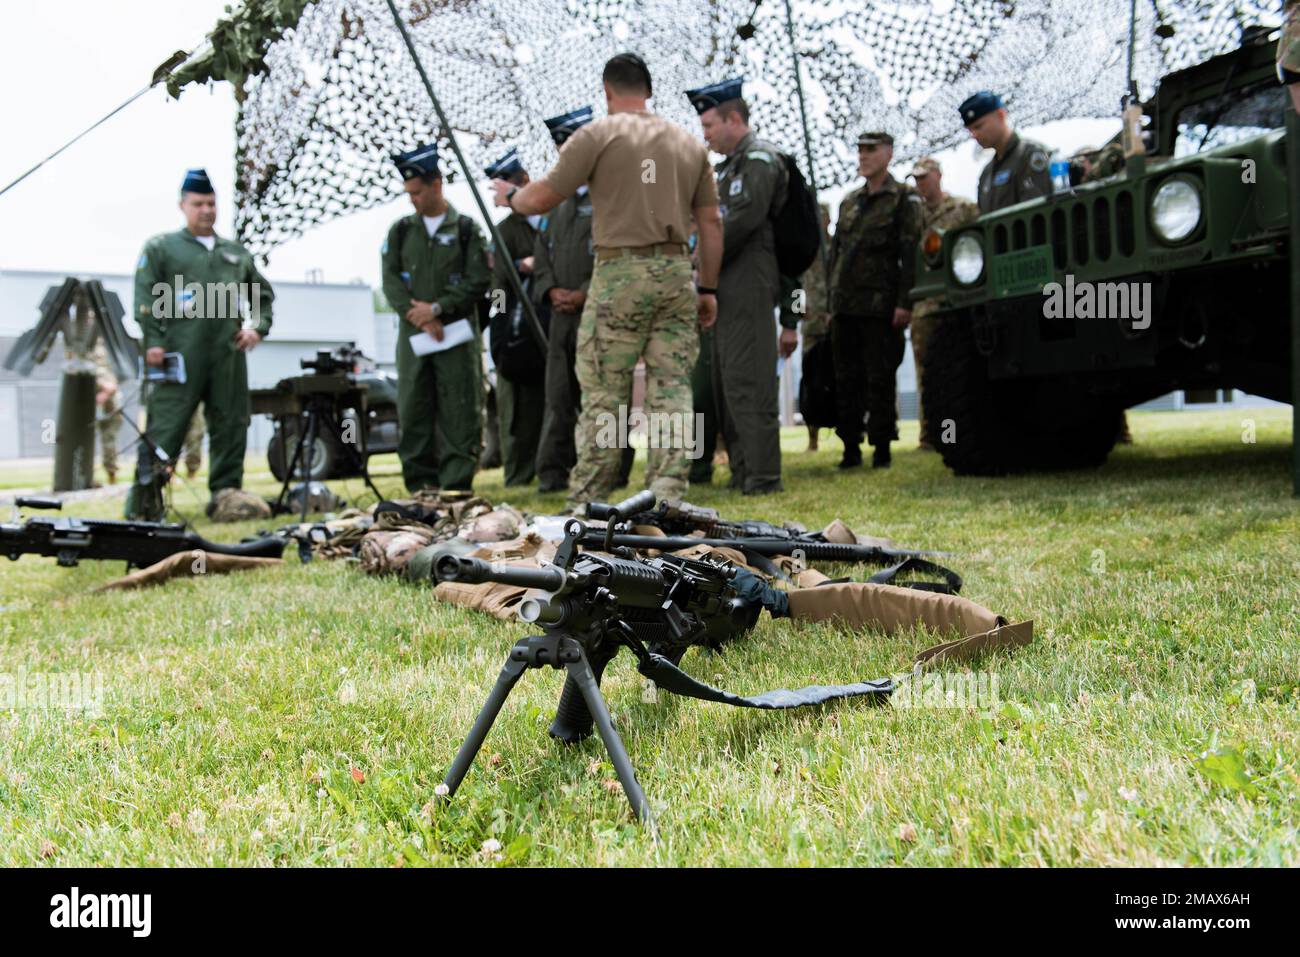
(797, 224)
(515, 351)
(817, 385)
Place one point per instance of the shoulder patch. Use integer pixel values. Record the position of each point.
(1038, 161)
(763, 155)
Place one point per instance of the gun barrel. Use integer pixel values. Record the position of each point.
(474, 571)
(642, 501)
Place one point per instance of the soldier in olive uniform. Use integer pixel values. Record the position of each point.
(1019, 170)
(201, 295)
(871, 272)
(751, 184)
(647, 179)
(435, 273)
(942, 211)
(563, 259)
(521, 400)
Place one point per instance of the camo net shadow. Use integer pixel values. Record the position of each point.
(339, 92)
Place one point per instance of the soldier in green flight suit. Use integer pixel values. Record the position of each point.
(435, 273)
(751, 185)
(521, 380)
(200, 295)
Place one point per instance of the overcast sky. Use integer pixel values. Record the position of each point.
(64, 65)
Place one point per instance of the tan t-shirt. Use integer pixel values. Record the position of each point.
(645, 174)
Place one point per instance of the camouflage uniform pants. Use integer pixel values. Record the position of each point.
(556, 452)
(868, 351)
(636, 308)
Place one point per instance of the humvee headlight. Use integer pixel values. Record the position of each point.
(1176, 209)
(967, 259)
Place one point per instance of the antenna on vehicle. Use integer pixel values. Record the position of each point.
(1131, 107)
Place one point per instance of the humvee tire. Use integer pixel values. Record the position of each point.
(985, 427)
(325, 458)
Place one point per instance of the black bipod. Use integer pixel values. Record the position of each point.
(553, 651)
(318, 412)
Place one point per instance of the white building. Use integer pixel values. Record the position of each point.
(306, 317)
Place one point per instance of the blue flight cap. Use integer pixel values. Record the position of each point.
(506, 167)
(196, 181)
(973, 107)
(707, 97)
(421, 161)
(566, 124)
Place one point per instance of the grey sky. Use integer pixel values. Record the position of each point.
(64, 65)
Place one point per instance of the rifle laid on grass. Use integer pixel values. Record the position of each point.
(139, 544)
(759, 541)
(591, 606)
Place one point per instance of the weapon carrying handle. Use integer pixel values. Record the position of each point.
(573, 720)
(642, 501)
(28, 501)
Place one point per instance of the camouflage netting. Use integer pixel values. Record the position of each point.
(329, 97)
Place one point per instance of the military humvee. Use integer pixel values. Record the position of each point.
(1062, 312)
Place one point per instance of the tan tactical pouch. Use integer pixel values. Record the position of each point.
(892, 609)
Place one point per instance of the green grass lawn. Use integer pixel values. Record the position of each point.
(240, 713)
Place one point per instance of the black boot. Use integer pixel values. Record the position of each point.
(881, 458)
(852, 457)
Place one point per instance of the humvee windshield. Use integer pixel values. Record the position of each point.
(1235, 116)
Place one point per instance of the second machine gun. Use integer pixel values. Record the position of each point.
(595, 605)
(591, 605)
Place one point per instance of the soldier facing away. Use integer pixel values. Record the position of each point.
(183, 304)
(435, 273)
(942, 211)
(752, 183)
(871, 272)
(646, 179)
(1020, 168)
(564, 257)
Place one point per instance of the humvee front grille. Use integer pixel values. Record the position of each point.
(1080, 230)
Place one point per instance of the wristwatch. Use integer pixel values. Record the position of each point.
(435, 309)
(510, 197)
(706, 290)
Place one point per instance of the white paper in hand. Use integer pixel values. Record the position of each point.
(454, 334)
